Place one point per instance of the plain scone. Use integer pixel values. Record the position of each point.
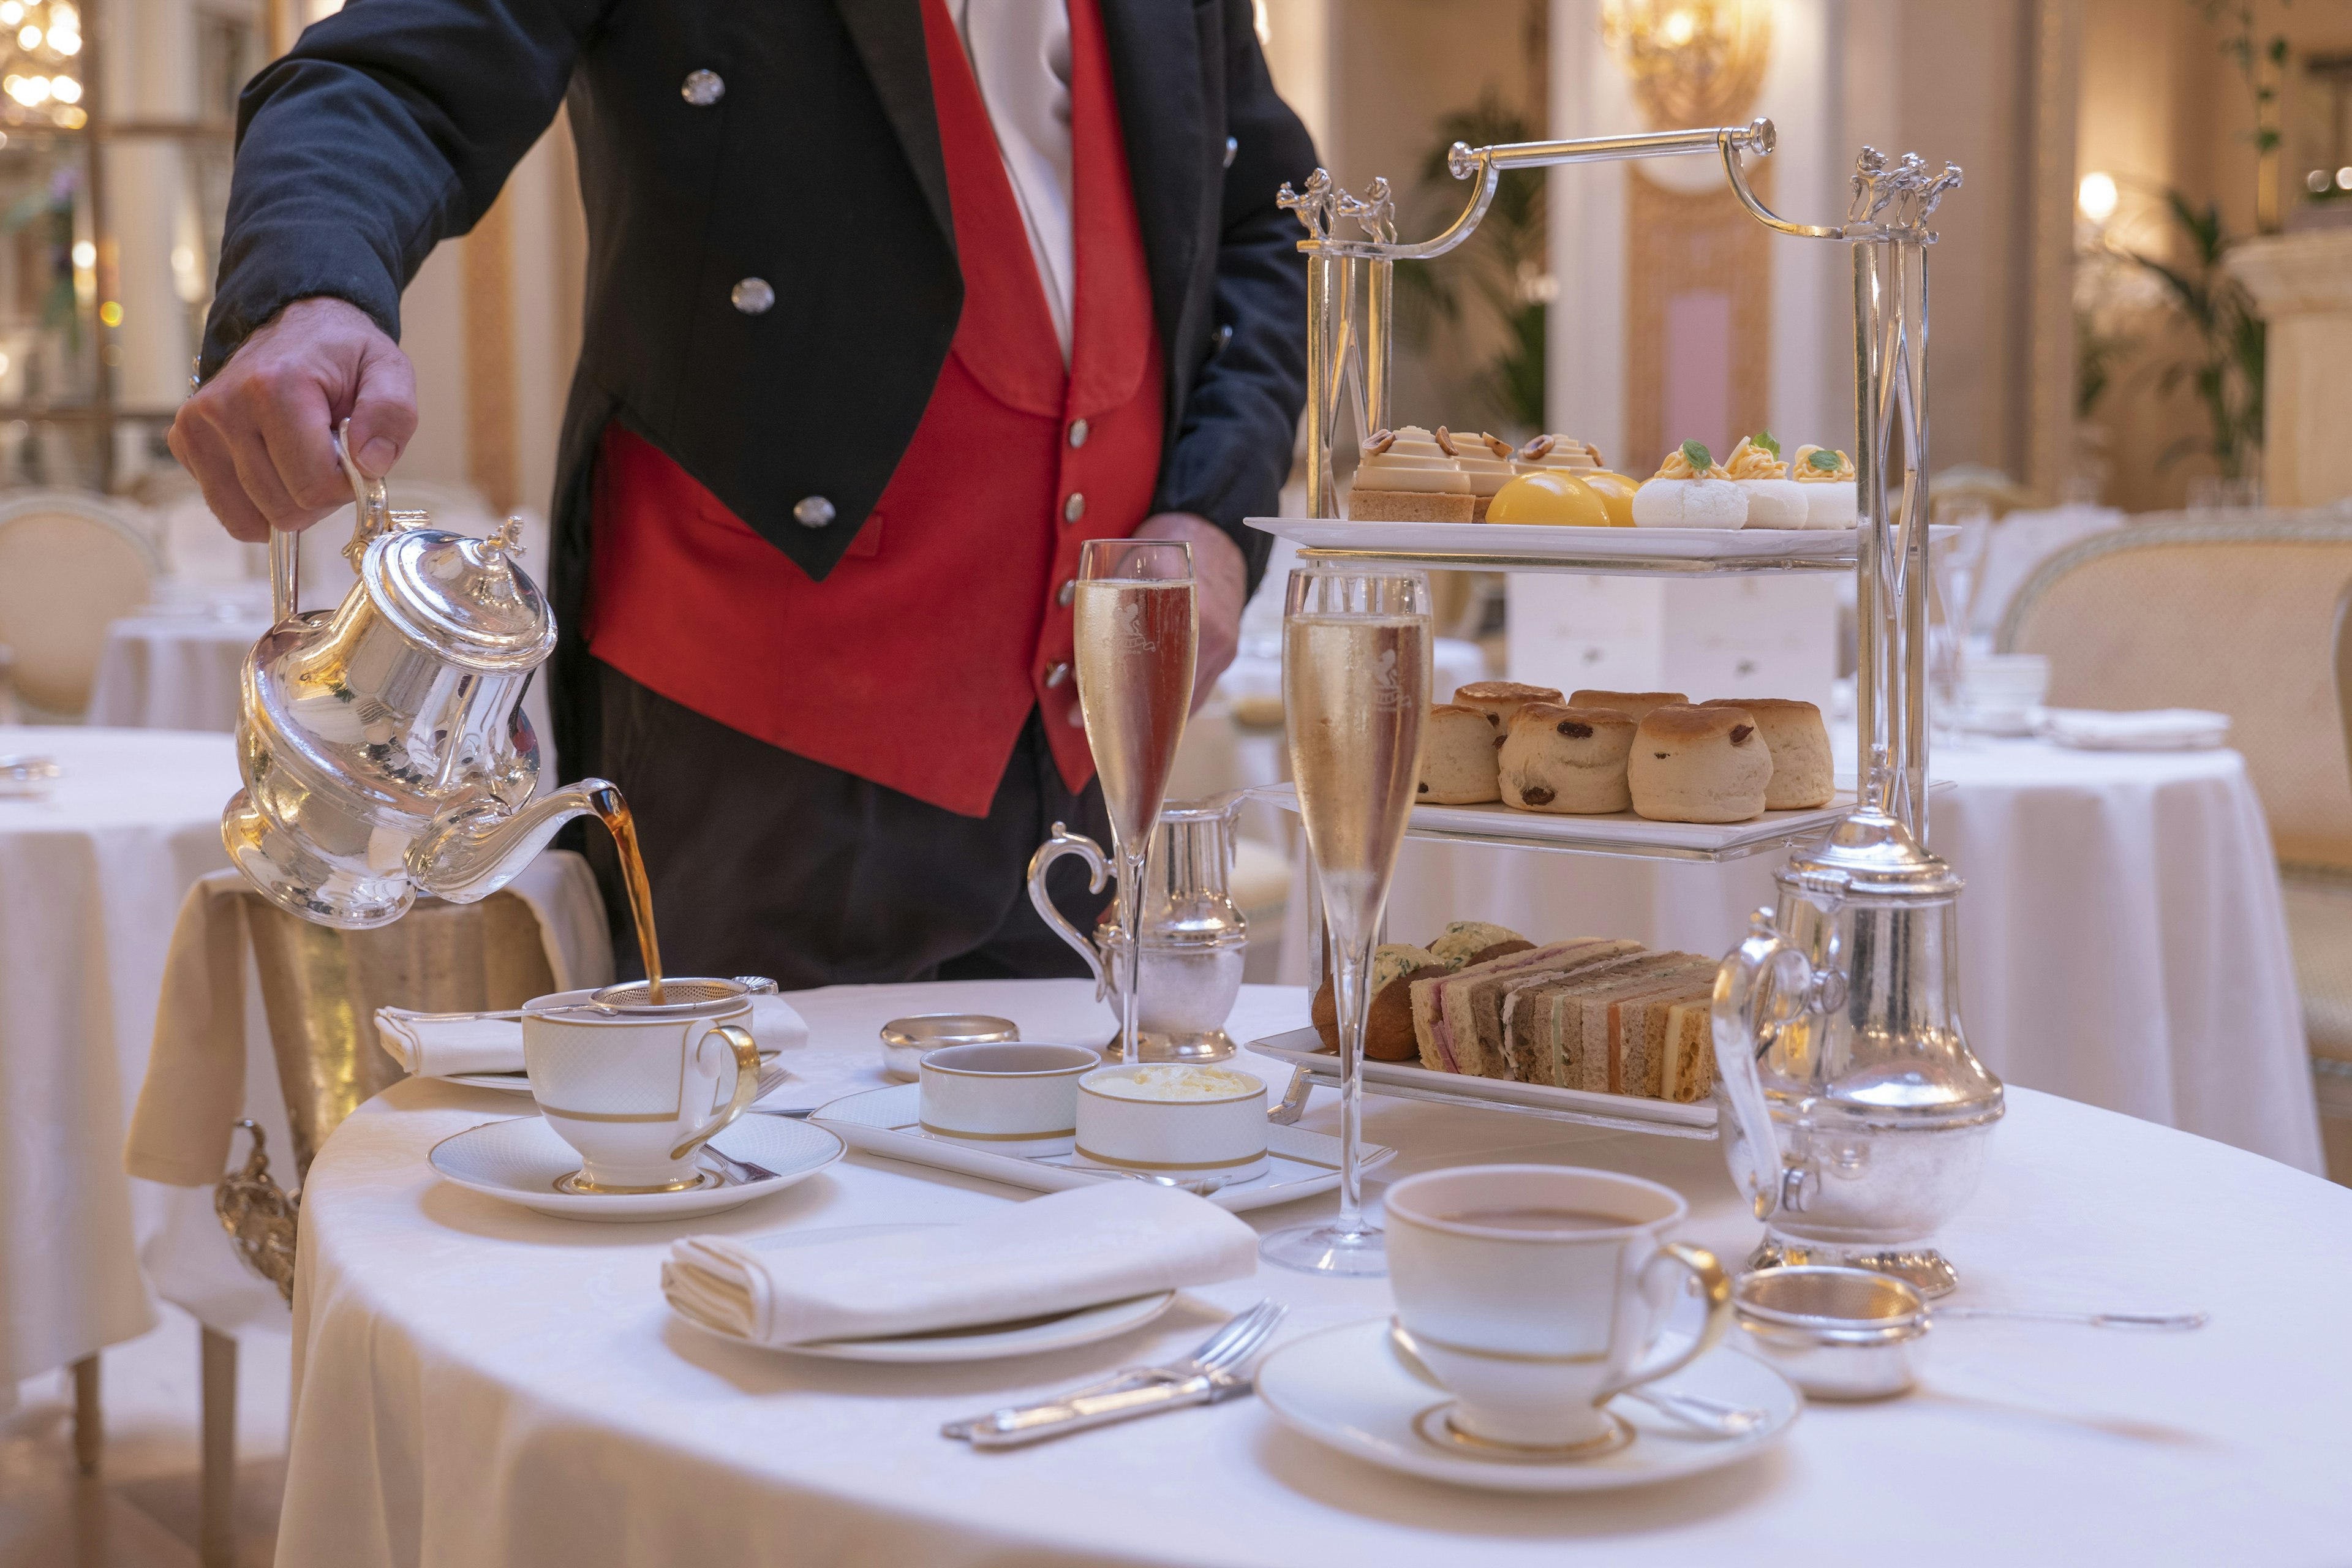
(1633, 704)
(1699, 765)
(1803, 774)
(1565, 760)
(1498, 700)
(1458, 758)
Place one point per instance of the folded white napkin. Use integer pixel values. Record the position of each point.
(2152, 728)
(1053, 1253)
(435, 1046)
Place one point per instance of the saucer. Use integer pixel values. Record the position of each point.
(520, 1161)
(1346, 1389)
(975, 1341)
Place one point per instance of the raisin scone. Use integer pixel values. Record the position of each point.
(1498, 700)
(1699, 765)
(1458, 758)
(1565, 760)
(1803, 772)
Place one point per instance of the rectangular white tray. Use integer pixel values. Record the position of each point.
(1594, 552)
(1303, 1048)
(1618, 833)
(887, 1121)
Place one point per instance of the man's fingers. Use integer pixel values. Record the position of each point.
(384, 417)
(289, 416)
(202, 453)
(256, 471)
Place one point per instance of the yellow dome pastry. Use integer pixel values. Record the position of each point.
(1616, 493)
(1548, 496)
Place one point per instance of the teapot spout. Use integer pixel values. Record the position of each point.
(474, 853)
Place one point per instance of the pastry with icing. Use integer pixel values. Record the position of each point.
(1581, 461)
(1553, 497)
(1828, 479)
(1484, 458)
(1406, 476)
(1774, 500)
(1690, 489)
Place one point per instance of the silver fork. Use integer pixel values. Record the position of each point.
(738, 1170)
(1207, 1376)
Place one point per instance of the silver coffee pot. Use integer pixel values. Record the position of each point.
(1194, 933)
(382, 743)
(1855, 1117)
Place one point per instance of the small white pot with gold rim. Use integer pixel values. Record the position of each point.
(1008, 1098)
(1214, 1126)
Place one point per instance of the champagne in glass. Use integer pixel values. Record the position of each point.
(1355, 690)
(1137, 630)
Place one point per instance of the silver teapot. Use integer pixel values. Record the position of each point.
(1194, 933)
(382, 743)
(1856, 1119)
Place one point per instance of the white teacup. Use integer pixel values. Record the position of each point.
(1534, 1292)
(1008, 1097)
(639, 1088)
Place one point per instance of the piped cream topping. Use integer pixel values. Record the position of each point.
(1484, 458)
(1409, 459)
(1750, 461)
(1558, 452)
(1806, 471)
(1683, 463)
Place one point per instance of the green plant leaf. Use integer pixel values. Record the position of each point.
(1698, 455)
(1765, 439)
(1822, 459)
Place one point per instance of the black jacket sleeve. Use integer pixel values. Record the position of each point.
(1234, 437)
(389, 127)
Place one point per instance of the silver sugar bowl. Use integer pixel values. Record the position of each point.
(1856, 1118)
(1193, 932)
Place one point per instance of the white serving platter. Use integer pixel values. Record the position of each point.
(1303, 1049)
(887, 1121)
(1618, 833)
(1593, 551)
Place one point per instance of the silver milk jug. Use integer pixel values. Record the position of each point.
(382, 743)
(1194, 933)
(1856, 1119)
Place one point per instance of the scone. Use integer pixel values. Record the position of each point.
(1498, 700)
(1485, 460)
(1406, 476)
(1633, 704)
(1699, 765)
(1690, 489)
(1457, 757)
(1570, 761)
(1388, 1028)
(1803, 774)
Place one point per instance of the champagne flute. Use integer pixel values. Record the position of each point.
(1137, 630)
(1355, 692)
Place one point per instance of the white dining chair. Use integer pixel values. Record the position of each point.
(71, 561)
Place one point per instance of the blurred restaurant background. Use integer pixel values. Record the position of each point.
(2143, 320)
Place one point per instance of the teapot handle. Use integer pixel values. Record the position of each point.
(1741, 1036)
(1064, 842)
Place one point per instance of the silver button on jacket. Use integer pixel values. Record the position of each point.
(812, 511)
(1074, 509)
(1079, 430)
(703, 89)
(752, 296)
(1057, 674)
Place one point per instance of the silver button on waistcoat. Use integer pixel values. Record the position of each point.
(1057, 674)
(1074, 508)
(1069, 592)
(752, 296)
(813, 512)
(1079, 431)
(703, 89)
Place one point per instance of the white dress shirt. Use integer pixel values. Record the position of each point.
(1020, 55)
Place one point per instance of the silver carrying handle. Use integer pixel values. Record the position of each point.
(374, 507)
(1747, 1018)
(1060, 843)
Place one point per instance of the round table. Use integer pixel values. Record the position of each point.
(90, 881)
(174, 671)
(2122, 937)
(478, 1385)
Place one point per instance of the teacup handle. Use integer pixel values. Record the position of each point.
(1715, 1285)
(746, 1086)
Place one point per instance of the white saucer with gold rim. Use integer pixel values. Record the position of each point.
(522, 1161)
(1347, 1388)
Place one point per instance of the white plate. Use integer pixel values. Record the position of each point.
(1345, 1388)
(979, 1341)
(1596, 550)
(514, 1082)
(1304, 1049)
(885, 1121)
(520, 1159)
(1620, 831)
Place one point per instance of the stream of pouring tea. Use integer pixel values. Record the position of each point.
(622, 824)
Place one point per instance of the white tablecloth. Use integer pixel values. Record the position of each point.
(177, 672)
(2122, 940)
(481, 1385)
(90, 881)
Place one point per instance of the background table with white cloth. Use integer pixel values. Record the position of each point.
(174, 669)
(2122, 938)
(478, 1385)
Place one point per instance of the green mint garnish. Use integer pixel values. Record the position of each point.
(1765, 439)
(1823, 460)
(1698, 456)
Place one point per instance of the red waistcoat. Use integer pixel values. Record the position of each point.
(917, 660)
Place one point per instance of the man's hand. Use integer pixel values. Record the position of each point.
(1221, 579)
(255, 436)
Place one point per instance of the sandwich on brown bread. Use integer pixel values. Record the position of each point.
(1612, 1029)
(1388, 1026)
(1638, 1028)
(1457, 1018)
(1544, 1021)
(1686, 1051)
(1466, 943)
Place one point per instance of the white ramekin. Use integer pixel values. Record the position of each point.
(1223, 1137)
(1012, 1098)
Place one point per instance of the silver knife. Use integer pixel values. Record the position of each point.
(1013, 1427)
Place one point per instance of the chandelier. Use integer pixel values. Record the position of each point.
(1691, 62)
(41, 63)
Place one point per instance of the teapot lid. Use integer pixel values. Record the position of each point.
(1872, 855)
(461, 599)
